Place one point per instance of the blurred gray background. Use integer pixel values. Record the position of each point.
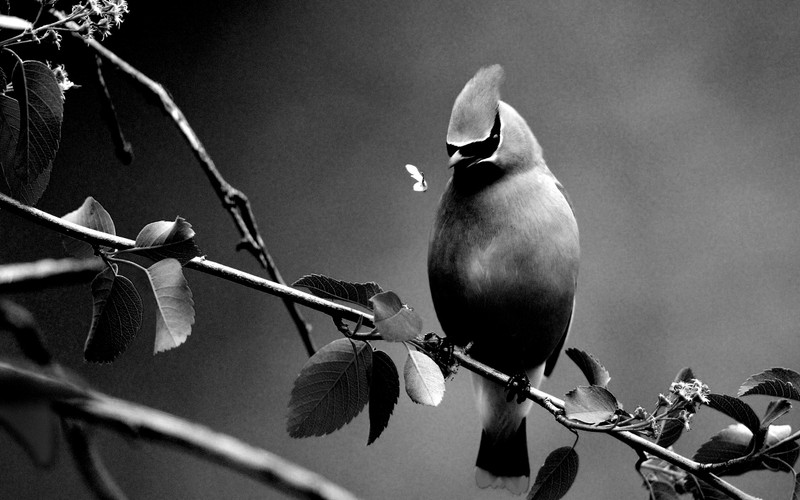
(673, 125)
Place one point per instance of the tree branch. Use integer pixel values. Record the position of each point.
(72, 401)
(551, 403)
(44, 273)
(233, 200)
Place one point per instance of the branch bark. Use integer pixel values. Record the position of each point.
(72, 401)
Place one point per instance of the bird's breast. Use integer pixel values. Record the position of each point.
(503, 262)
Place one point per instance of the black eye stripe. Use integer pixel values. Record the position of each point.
(480, 149)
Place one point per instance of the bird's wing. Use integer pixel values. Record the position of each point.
(550, 364)
(566, 196)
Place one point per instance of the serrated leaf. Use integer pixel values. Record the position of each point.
(736, 409)
(662, 491)
(556, 476)
(116, 317)
(778, 382)
(332, 388)
(590, 404)
(167, 240)
(423, 378)
(30, 135)
(669, 432)
(383, 394)
(175, 307)
(775, 410)
(14, 23)
(329, 288)
(395, 321)
(594, 372)
(90, 214)
(732, 442)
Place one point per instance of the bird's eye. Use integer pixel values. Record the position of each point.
(451, 150)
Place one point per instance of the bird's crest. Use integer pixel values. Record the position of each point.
(476, 107)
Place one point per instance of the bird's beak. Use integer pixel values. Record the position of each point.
(459, 158)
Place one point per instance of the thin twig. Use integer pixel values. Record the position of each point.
(76, 402)
(198, 263)
(233, 200)
(89, 462)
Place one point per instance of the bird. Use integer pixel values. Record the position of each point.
(502, 266)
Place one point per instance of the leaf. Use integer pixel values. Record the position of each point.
(167, 240)
(779, 382)
(594, 372)
(329, 288)
(590, 404)
(395, 321)
(736, 409)
(90, 214)
(383, 394)
(423, 378)
(332, 388)
(116, 317)
(30, 130)
(14, 23)
(175, 311)
(556, 476)
(775, 410)
(732, 442)
(662, 491)
(669, 432)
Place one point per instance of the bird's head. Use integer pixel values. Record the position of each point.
(485, 130)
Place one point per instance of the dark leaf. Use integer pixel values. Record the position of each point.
(739, 411)
(116, 317)
(779, 382)
(329, 288)
(383, 394)
(669, 432)
(167, 240)
(775, 410)
(662, 491)
(175, 311)
(332, 388)
(90, 214)
(556, 476)
(395, 321)
(423, 378)
(30, 136)
(732, 442)
(590, 404)
(594, 372)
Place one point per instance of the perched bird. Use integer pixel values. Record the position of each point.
(502, 265)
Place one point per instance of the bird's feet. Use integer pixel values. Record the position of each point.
(518, 385)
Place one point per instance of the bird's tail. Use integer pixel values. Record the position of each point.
(503, 463)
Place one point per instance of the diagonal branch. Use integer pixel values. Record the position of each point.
(233, 200)
(553, 404)
(163, 428)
